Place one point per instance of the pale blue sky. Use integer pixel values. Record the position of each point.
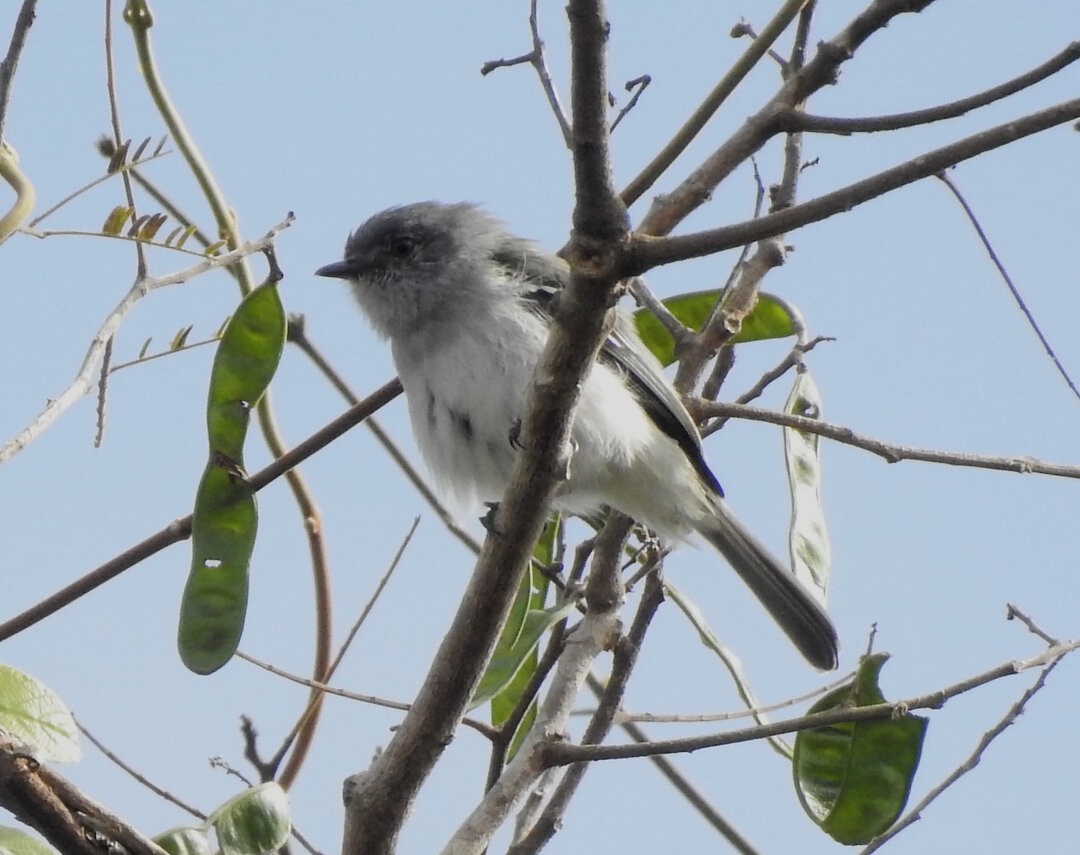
(337, 110)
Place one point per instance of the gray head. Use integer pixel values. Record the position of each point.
(415, 266)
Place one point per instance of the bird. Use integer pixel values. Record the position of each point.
(466, 307)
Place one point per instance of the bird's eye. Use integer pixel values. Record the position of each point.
(402, 246)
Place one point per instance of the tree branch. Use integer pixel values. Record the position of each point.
(53, 806)
(378, 800)
(23, 22)
(890, 452)
(727, 84)
(669, 210)
(181, 529)
(561, 754)
(645, 252)
(796, 121)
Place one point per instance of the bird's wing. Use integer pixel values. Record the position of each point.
(542, 277)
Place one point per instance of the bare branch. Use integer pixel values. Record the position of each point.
(638, 85)
(23, 22)
(374, 700)
(378, 800)
(890, 452)
(84, 379)
(180, 529)
(948, 182)
(61, 813)
(727, 84)
(536, 59)
(645, 252)
(560, 754)
(870, 124)
(1014, 712)
(669, 210)
(596, 633)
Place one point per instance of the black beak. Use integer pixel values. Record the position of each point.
(337, 270)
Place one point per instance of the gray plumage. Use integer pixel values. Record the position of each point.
(466, 307)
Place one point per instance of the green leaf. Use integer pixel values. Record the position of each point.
(254, 822)
(225, 518)
(34, 716)
(514, 661)
(502, 669)
(692, 310)
(15, 842)
(808, 537)
(768, 319)
(116, 219)
(188, 232)
(185, 841)
(853, 779)
(181, 337)
(532, 595)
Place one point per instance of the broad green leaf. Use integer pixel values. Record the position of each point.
(853, 779)
(502, 669)
(225, 518)
(33, 715)
(808, 536)
(255, 822)
(15, 842)
(532, 595)
(768, 319)
(185, 841)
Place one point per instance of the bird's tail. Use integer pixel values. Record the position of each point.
(791, 606)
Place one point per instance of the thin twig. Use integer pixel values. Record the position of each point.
(870, 124)
(297, 334)
(180, 529)
(726, 85)
(535, 58)
(1014, 713)
(888, 451)
(1013, 613)
(948, 182)
(138, 776)
(375, 701)
(126, 167)
(699, 718)
(83, 381)
(349, 636)
(793, 358)
(638, 86)
(566, 753)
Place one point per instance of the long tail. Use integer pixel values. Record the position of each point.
(797, 613)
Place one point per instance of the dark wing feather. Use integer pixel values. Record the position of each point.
(544, 276)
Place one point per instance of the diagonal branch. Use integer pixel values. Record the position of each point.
(890, 452)
(868, 124)
(645, 252)
(180, 529)
(669, 210)
(727, 84)
(84, 379)
(23, 22)
(378, 801)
